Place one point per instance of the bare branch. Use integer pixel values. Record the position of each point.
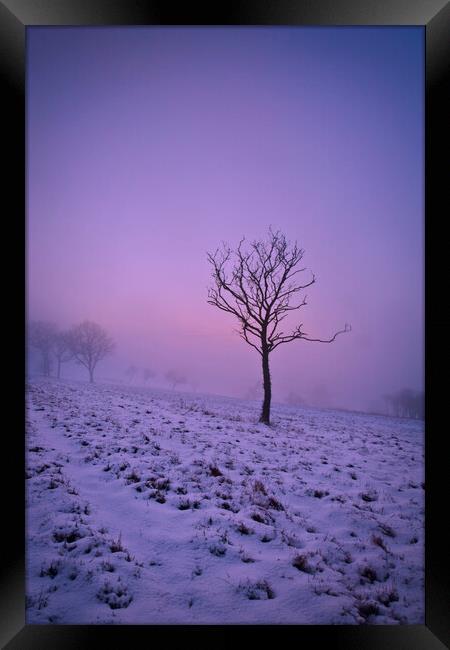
(347, 328)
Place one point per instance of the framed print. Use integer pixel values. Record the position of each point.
(233, 322)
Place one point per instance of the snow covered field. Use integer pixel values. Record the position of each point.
(150, 507)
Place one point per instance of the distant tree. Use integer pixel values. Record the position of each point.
(41, 335)
(405, 403)
(419, 405)
(375, 407)
(320, 396)
(147, 374)
(89, 344)
(254, 391)
(259, 286)
(412, 403)
(388, 404)
(175, 378)
(294, 399)
(62, 350)
(130, 372)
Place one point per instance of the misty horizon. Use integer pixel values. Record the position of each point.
(144, 154)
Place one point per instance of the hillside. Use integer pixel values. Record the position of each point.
(155, 507)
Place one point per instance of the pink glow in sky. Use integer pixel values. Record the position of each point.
(149, 146)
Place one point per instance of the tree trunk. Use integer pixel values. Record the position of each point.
(45, 365)
(91, 375)
(265, 413)
(59, 369)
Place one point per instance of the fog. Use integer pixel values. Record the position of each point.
(148, 147)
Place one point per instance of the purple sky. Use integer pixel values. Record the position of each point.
(149, 146)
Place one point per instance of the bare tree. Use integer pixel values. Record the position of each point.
(294, 399)
(174, 377)
(405, 403)
(147, 374)
(89, 344)
(130, 372)
(254, 391)
(259, 286)
(41, 335)
(62, 350)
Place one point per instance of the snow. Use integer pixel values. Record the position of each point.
(153, 507)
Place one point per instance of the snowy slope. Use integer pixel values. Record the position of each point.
(152, 507)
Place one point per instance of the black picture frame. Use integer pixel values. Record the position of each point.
(434, 16)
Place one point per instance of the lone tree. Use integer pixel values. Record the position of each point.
(42, 335)
(259, 286)
(62, 349)
(89, 344)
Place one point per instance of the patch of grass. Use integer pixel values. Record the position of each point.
(378, 541)
(116, 545)
(262, 517)
(367, 609)
(186, 504)
(387, 530)
(133, 477)
(258, 486)
(259, 590)
(243, 529)
(40, 601)
(291, 539)
(300, 562)
(160, 498)
(163, 484)
(51, 570)
(73, 573)
(274, 504)
(116, 596)
(218, 549)
(41, 468)
(369, 574)
(369, 496)
(53, 484)
(319, 494)
(68, 536)
(387, 595)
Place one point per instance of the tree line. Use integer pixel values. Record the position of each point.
(86, 343)
(173, 377)
(405, 403)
